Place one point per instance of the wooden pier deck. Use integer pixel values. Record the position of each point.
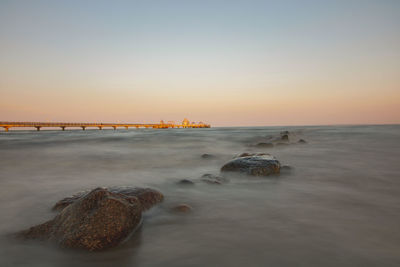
(100, 126)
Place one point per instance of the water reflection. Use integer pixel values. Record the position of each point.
(339, 206)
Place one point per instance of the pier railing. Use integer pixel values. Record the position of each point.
(100, 126)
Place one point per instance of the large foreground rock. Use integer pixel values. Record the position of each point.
(96, 220)
(256, 165)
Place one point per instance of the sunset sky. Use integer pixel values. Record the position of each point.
(228, 63)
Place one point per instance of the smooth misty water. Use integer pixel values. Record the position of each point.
(339, 207)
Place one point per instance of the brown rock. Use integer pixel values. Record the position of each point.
(97, 220)
(184, 208)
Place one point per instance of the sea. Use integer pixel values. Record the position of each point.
(339, 205)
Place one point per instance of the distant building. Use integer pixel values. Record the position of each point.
(185, 122)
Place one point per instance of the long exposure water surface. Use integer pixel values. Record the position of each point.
(340, 205)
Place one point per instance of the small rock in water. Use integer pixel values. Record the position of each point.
(183, 208)
(286, 168)
(96, 221)
(207, 156)
(186, 182)
(285, 137)
(253, 165)
(210, 181)
(213, 179)
(265, 145)
(302, 141)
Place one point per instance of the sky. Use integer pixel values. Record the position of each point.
(227, 63)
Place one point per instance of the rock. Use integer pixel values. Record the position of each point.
(183, 208)
(185, 182)
(286, 169)
(213, 179)
(253, 165)
(285, 137)
(207, 156)
(265, 145)
(302, 141)
(97, 220)
(148, 197)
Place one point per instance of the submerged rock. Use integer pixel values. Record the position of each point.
(302, 141)
(265, 145)
(260, 165)
(147, 197)
(286, 169)
(213, 179)
(285, 137)
(97, 220)
(207, 156)
(186, 182)
(183, 208)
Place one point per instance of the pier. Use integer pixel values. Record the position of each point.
(84, 125)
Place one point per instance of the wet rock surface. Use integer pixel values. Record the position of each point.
(98, 220)
(146, 196)
(257, 165)
(246, 154)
